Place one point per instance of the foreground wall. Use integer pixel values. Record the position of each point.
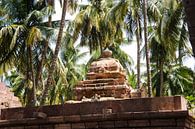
(138, 120)
(114, 114)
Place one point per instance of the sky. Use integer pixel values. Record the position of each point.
(129, 49)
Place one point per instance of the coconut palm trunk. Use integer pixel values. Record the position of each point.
(44, 52)
(160, 86)
(30, 76)
(54, 58)
(161, 78)
(147, 50)
(138, 52)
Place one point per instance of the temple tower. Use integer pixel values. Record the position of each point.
(106, 78)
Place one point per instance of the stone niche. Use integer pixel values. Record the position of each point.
(106, 78)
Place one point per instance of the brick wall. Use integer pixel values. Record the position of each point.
(121, 114)
(114, 106)
(138, 120)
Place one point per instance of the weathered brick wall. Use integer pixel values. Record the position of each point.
(138, 120)
(115, 106)
(143, 113)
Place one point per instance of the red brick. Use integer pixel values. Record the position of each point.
(138, 123)
(121, 124)
(74, 118)
(91, 125)
(106, 124)
(63, 126)
(78, 126)
(46, 127)
(14, 128)
(163, 122)
(32, 127)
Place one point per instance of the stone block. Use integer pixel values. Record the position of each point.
(46, 127)
(63, 126)
(106, 124)
(78, 126)
(138, 123)
(32, 127)
(13, 127)
(180, 103)
(73, 118)
(91, 125)
(121, 124)
(163, 122)
(181, 122)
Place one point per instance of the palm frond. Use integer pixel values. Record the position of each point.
(34, 36)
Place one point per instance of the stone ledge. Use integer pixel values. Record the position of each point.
(100, 107)
(130, 119)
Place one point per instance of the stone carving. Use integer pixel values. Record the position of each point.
(106, 78)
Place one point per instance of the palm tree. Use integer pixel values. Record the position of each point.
(55, 56)
(167, 39)
(44, 51)
(19, 45)
(100, 23)
(177, 80)
(135, 27)
(147, 50)
(134, 19)
(18, 40)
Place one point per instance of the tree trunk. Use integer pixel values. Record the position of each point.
(161, 78)
(29, 96)
(30, 76)
(147, 50)
(138, 53)
(44, 52)
(159, 88)
(55, 56)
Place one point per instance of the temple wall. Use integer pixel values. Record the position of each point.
(142, 113)
(137, 120)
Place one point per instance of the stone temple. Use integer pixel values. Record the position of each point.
(111, 104)
(106, 78)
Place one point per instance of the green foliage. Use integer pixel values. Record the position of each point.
(100, 26)
(177, 80)
(191, 101)
(132, 79)
(19, 85)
